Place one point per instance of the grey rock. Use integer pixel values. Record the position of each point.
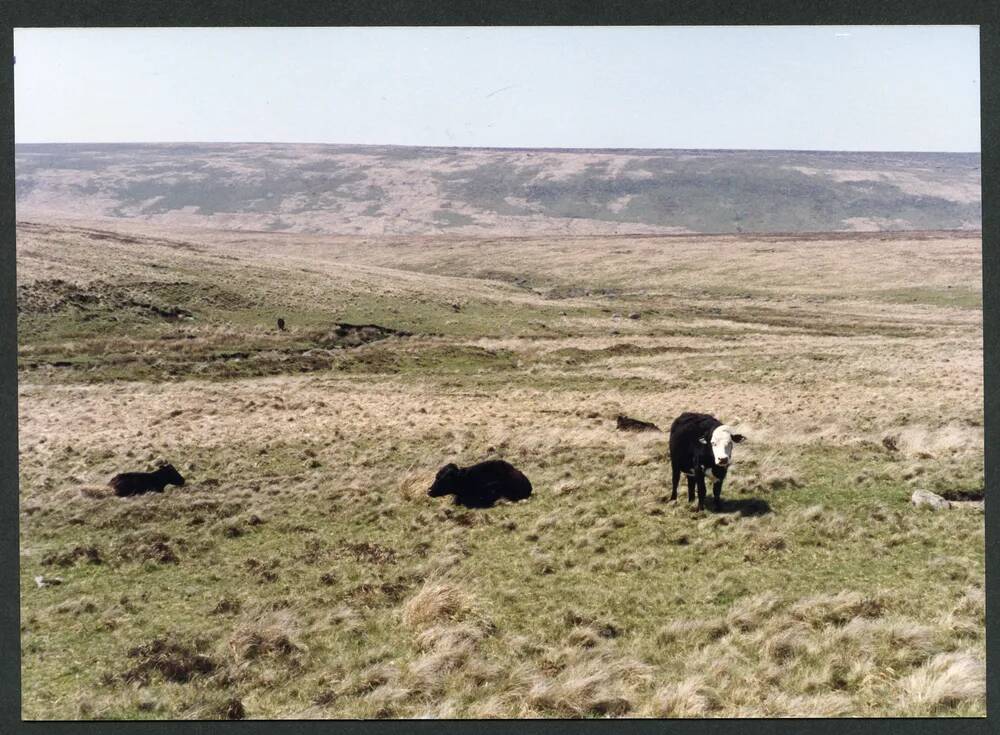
(926, 497)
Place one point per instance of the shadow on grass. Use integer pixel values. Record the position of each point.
(484, 500)
(745, 506)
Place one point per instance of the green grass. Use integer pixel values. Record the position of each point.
(962, 298)
(612, 559)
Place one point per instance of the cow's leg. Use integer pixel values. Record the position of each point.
(677, 480)
(701, 491)
(717, 494)
(691, 485)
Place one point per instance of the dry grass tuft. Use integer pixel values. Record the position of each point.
(368, 679)
(450, 636)
(96, 492)
(768, 541)
(436, 602)
(414, 483)
(495, 707)
(692, 631)
(583, 637)
(948, 679)
(273, 636)
(838, 608)
(691, 697)
(385, 700)
(809, 514)
(754, 612)
(789, 643)
(973, 604)
(587, 682)
(827, 704)
(580, 692)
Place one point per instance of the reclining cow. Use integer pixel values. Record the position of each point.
(136, 483)
(481, 485)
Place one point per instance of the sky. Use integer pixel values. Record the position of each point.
(875, 88)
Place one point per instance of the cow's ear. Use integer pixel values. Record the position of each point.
(738, 438)
(702, 440)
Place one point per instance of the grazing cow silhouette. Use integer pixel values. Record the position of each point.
(281, 324)
(136, 483)
(701, 446)
(481, 485)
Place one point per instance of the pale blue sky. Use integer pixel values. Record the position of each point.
(793, 87)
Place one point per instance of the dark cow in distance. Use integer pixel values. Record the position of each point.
(136, 483)
(481, 485)
(701, 446)
(627, 423)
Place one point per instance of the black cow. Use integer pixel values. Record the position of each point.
(700, 446)
(281, 324)
(481, 485)
(135, 483)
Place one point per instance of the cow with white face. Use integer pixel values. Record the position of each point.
(701, 446)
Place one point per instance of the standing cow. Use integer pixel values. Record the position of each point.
(701, 446)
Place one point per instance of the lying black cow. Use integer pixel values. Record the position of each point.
(701, 446)
(481, 485)
(136, 483)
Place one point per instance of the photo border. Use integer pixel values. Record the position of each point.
(190, 13)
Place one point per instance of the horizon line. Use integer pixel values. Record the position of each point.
(557, 149)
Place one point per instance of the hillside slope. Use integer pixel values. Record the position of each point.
(374, 190)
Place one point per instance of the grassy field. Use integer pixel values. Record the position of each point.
(303, 572)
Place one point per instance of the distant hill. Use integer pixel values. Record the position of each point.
(397, 190)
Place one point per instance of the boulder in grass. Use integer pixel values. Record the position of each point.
(932, 500)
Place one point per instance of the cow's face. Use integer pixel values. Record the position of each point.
(721, 442)
(444, 481)
(171, 475)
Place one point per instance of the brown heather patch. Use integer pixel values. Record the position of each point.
(176, 661)
(371, 553)
(89, 554)
(272, 636)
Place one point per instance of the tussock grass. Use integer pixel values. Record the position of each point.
(945, 680)
(436, 601)
(271, 636)
(588, 684)
(692, 697)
